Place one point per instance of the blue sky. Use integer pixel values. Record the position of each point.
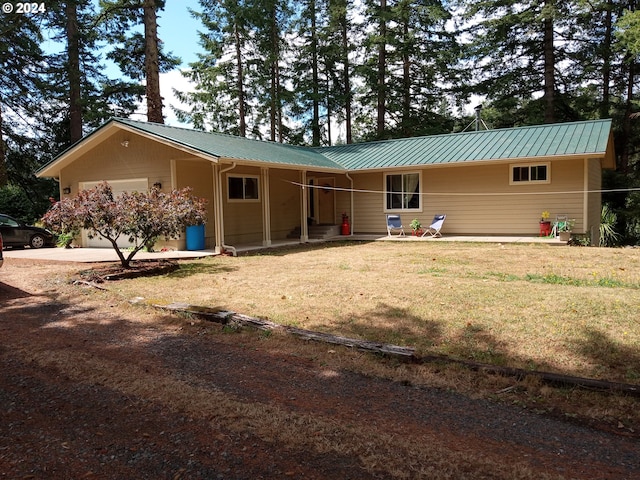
(178, 30)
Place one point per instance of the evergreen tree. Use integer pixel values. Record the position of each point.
(409, 57)
(515, 52)
(135, 49)
(338, 47)
(21, 64)
(271, 22)
(223, 89)
(309, 88)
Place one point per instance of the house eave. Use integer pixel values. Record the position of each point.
(467, 163)
(106, 131)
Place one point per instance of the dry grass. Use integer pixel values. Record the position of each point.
(560, 309)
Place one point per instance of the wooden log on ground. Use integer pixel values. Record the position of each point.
(546, 377)
(226, 317)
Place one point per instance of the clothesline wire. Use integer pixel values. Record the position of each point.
(465, 194)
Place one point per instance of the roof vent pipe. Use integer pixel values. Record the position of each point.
(477, 121)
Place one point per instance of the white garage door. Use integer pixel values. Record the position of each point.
(118, 186)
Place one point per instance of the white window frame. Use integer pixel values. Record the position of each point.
(529, 166)
(244, 198)
(386, 192)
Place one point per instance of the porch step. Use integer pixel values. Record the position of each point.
(317, 232)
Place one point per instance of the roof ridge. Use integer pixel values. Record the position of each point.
(220, 134)
(472, 132)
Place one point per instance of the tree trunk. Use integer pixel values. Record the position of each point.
(549, 64)
(3, 154)
(315, 121)
(626, 121)
(406, 86)
(152, 69)
(241, 100)
(382, 63)
(346, 77)
(606, 62)
(73, 52)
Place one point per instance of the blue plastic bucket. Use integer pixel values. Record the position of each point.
(195, 237)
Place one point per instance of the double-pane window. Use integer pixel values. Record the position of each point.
(402, 191)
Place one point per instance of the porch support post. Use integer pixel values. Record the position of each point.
(266, 208)
(304, 203)
(174, 175)
(218, 216)
(351, 202)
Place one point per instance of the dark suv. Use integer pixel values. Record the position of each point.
(0, 249)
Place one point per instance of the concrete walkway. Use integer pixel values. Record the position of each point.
(91, 255)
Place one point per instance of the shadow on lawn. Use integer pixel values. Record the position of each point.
(189, 269)
(607, 355)
(378, 325)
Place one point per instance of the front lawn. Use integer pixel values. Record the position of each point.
(563, 309)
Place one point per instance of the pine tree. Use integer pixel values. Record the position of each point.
(135, 49)
(515, 53)
(221, 75)
(21, 59)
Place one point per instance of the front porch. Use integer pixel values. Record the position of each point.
(91, 255)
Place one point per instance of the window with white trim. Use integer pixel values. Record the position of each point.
(402, 191)
(530, 173)
(242, 188)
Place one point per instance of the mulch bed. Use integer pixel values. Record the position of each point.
(115, 271)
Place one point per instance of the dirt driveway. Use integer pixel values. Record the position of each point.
(93, 387)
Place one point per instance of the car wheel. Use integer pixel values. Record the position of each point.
(37, 241)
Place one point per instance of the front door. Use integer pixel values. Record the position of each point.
(326, 201)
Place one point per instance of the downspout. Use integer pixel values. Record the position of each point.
(220, 222)
(351, 201)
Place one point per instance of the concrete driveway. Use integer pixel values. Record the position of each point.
(91, 255)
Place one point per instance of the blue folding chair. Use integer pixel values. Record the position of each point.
(394, 224)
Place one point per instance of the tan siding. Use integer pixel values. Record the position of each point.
(110, 160)
(500, 213)
(199, 176)
(285, 202)
(242, 220)
(369, 207)
(594, 200)
(343, 198)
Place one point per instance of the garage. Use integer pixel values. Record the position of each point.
(118, 187)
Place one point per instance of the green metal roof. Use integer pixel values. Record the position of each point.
(541, 141)
(229, 146)
(577, 138)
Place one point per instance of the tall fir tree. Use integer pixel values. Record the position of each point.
(222, 77)
(134, 50)
(516, 52)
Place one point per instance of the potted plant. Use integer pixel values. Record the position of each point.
(564, 229)
(545, 224)
(416, 226)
